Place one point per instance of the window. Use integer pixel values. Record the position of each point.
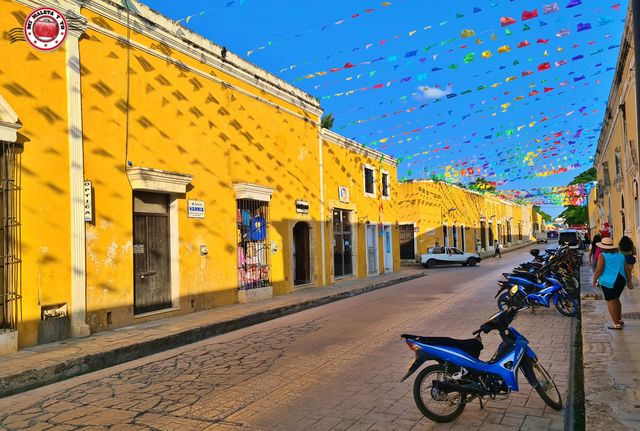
(254, 254)
(605, 173)
(369, 183)
(618, 161)
(342, 243)
(385, 184)
(10, 233)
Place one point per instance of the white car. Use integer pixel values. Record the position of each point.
(446, 255)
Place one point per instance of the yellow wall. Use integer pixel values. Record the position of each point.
(182, 122)
(344, 167)
(41, 104)
(431, 205)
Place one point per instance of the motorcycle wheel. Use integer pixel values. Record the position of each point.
(542, 383)
(566, 306)
(439, 407)
(504, 301)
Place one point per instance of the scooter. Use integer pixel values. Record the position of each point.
(442, 391)
(518, 296)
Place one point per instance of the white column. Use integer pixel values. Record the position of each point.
(79, 327)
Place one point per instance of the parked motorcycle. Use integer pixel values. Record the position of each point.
(441, 391)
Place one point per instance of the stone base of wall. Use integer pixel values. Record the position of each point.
(255, 295)
(8, 342)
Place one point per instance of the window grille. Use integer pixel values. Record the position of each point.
(11, 272)
(254, 253)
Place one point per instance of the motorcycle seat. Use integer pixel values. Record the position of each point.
(471, 346)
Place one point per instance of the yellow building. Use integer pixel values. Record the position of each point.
(162, 175)
(615, 202)
(436, 212)
(360, 193)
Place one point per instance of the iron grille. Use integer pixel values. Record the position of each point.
(11, 270)
(254, 253)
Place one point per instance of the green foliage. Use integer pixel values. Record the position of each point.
(482, 185)
(575, 215)
(327, 121)
(546, 217)
(585, 177)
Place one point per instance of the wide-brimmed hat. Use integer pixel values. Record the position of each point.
(607, 244)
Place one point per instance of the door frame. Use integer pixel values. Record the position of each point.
(377, 242)
(312, 241)
(385, 227)
(415, 239)
(174, 245)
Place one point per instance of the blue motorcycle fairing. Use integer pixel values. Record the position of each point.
(421, 358)
(500, 367)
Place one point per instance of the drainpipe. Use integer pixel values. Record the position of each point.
(322, 220)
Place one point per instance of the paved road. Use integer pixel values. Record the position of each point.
(335, 367)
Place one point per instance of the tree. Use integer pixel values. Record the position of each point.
(482, 185)
(579, 214)
(327, 121)
(546, 217)
(575, 215)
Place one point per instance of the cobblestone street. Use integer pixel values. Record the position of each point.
(335, 367)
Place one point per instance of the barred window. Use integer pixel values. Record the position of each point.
(254, 254)
(10, 272)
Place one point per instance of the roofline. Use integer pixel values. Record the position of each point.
(350, 144)
(156, 26)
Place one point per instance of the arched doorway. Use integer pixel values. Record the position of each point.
(301, 254)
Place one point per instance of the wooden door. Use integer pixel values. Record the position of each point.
(407, 247)
(151, 256)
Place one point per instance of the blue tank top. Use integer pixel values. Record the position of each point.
(613, 265)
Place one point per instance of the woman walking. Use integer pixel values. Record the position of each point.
(594, 253)
(612, 274)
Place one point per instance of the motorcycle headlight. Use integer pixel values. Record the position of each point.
(513, 290)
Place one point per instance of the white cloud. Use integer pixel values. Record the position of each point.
(434, 92)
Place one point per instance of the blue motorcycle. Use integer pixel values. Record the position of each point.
(442, 391)
(520, 294)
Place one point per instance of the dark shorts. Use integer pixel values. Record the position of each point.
(612, 293)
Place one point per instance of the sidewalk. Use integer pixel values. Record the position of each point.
(611, 360)
(44, 364)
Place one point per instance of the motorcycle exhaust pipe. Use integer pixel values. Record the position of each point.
(447, 387)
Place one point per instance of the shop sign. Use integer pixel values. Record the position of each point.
(302, 207)
(45, 29)
(343, 193)
(196, 209)
(88, 201)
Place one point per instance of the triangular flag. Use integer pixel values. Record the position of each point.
(526, 27)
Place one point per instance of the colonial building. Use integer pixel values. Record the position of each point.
(614, 204)
(148, 172)
(437, 212)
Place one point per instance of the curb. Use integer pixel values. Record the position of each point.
(574, 418)
(77, 366)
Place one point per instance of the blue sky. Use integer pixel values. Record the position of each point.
(406, 82)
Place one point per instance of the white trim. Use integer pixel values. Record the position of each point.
(79, 327)
(156, 180)
(9, 124)
(377, 243)
(356, 147)
(382, 174)
(323, 240)
(253, 191)
(386, 226)
(366, 166)
(174, 250)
